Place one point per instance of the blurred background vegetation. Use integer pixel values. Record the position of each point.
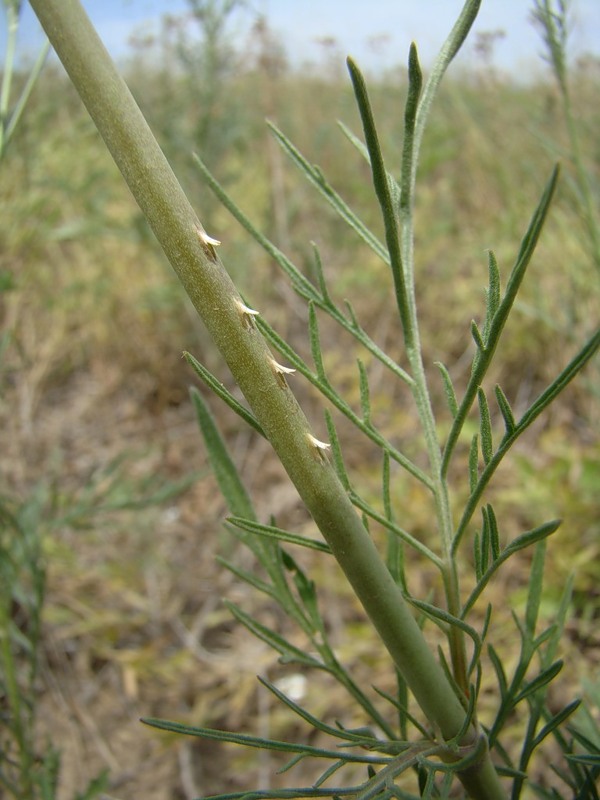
(98, 438)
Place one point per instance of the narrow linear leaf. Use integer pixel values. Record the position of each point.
(555, 722)
(448, 388)
(331, 771)
(365, 401)
(505, 410)
(315, 722)
(224, 394)
(315, 176)
(443, 618)
(382, 190)
(403, 709)
(522, 541)
(492, 294)
(543, 679)
(477, 559)
(566, 376)
(247, 576)
(484, 355)
(256, 741)
(290, 653)
(499, 670)
(535, 586)
(272, 532)
(562, 381)
(395, 529)
(336, 451)
(355, 141)
(315, 343)
(485, 544)
(385, 486)
(321, 276)
(494, 535)
(474, 463)
(230, 483)
(485, 427)
(300, 283)
(478, 339)
(587, 760)
(415, 84)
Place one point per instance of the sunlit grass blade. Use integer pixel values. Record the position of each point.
(215, 385)
(272, 532)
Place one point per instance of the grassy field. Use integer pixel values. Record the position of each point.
(100, 451)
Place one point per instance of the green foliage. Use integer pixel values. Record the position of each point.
(524, 688)
(400, 750)
(26, 769)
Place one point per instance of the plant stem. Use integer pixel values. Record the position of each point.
(232, 327)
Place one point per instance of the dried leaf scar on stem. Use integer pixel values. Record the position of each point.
(246, 315)
(320, 448)
(280, 372)
(208, 243)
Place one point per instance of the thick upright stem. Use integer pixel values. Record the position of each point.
(231, 324)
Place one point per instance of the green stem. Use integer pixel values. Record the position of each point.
(216, 299)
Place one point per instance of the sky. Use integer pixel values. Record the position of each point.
(392, 23)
